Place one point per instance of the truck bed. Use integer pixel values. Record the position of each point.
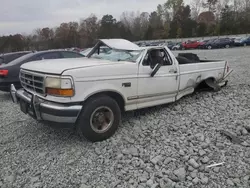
(190, 58)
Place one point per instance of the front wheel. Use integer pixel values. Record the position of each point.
(99, 118)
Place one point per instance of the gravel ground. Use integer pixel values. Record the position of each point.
(164, 146)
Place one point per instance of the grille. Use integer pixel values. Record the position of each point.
(32, 81)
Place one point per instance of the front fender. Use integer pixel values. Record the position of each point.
(86, 89)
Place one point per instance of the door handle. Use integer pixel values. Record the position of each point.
(173, 71)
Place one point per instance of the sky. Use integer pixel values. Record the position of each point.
(23, 16)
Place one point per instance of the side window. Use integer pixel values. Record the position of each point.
(166, 58)
(146, 61)
(71, 55)
(33, 58)
(49, 55)
(9, 58)
(17, 56)
(157, 56)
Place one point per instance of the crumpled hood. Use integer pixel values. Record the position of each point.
(57, 66)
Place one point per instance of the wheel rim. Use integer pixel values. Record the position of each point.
(101, 119)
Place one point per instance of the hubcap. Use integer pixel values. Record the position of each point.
(101, 119)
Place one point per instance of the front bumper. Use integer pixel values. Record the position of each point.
(43, 110)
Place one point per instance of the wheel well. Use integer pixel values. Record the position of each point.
(203, 84)
(114, 95)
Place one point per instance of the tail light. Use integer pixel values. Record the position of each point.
(4, 72)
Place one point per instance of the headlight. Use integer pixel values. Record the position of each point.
(60, 83)
(59, 86)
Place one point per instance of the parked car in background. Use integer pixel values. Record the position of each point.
(170, 44)
(216, 42)
(75, 49)
(221, 43)
(9, 73)
(177, 46)
(191, 45)
(242, 41)
(202, 43)
(208, 43)
(8, 57)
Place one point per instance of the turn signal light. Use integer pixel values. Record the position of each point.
(4, 72)
(60, 92)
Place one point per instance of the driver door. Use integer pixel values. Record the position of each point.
(163, 86)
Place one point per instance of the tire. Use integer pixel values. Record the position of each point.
(87, 129)
(227, 46)
(209, 47)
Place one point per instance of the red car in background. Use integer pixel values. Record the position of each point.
(191, 44)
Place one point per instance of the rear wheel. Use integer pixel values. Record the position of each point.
(99, 118)
(209, 47)
(227, 46)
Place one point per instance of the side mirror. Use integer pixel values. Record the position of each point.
(155, 69)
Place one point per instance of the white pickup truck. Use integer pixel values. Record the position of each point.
(90, 93)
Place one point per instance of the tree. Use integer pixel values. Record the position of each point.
(88, 31)
(196, 6)
(61, 36)
(124, 32)
(227, 20)
(169, 20)
(149, 33)
(210, 5)
(127, 19)
(182, 24)
(108, 28)
(206, 17)
(201, 29)
(173, 6)
(156, 25)
(144, 18)
(73, 34)
(160, 11)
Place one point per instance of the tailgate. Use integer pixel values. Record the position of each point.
(227, 70)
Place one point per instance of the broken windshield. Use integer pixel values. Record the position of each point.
(117, 55)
